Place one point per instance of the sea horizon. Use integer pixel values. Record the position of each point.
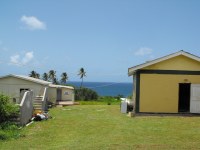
(101, 81)
(106, 88)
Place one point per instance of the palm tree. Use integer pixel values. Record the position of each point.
(37, 76)
(82, 74)
(64, 78)
(55, 81)
(45, 76)
(33, 74)
(52, 75)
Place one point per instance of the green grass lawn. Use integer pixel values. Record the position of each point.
(94, 127)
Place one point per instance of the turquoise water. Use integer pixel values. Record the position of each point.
(107, 88)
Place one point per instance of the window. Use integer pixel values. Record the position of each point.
(66, 93)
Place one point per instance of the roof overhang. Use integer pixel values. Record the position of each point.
(39, 81)
(132, 70)
(60, 86)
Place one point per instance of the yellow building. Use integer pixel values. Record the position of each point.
(170, 84)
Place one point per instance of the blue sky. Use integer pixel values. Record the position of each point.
(105, 37)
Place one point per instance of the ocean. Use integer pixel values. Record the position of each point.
(107, 88)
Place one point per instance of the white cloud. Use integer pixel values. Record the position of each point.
(33, 23)
(21, 60)
(15, 59)
(143, 51)
(27, 58)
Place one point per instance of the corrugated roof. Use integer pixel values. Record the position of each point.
(134, 68)
(28, 79)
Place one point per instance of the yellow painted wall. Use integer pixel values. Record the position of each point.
(159, 92)
(176, 63)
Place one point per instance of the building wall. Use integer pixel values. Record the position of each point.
(67, 94)
(134, 89)
(176, 63)
(52, 94)
(11, 86)
(159, 92)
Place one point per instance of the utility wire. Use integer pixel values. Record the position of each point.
(105, 85)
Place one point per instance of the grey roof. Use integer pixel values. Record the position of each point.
(28, 79)
(61, 86)
(37, 81)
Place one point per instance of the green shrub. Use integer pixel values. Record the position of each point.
(9, 130)
(8, 126)
(85, 94)
(8, 110)
(3, 135)
(103, 100)
(118, 96)
(110, 100)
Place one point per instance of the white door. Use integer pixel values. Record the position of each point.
(195, 98)
(124, 106)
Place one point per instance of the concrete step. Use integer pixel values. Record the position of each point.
(37, 102)
(66, 103)
(39, 97)
(37, 106)
(40, 106)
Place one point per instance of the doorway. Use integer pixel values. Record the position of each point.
(59, 94)
(184, 97)
(22, 91)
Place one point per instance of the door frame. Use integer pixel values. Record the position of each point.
(184, 97)
(58, 94)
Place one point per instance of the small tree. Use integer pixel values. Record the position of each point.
(55, 81)
(85, 94)
(64, 78)
(34, 74)
(45, 76)
(7, 109)
(52, 76)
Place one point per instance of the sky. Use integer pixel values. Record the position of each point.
(105, 37)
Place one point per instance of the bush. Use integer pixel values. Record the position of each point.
(110, 100)
(8, 113)
(119, 96)
(7, 110)
(85, 94)
(9, 130)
